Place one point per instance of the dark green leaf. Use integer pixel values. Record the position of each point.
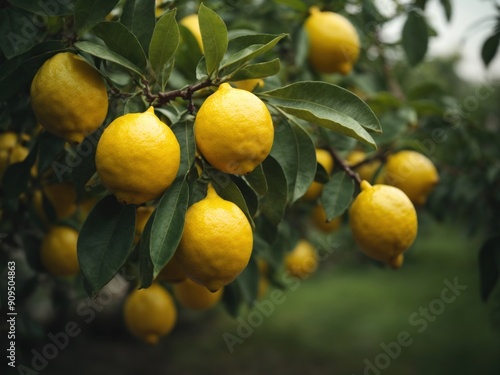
(260, 70)
(489, 266)
(232, 298)
(46, 8)
(105, 241)
(257, 180)
(447, 9)
(250, 196)
(214, 36)
(18, 33)
(273, 204)
(120, 40)
(184, 133)
(415, 37)
(135, 104)
(82, 166)
(146, 267)
(326, 105)
(490, 47)
(89, 13)
(49, 147)
(322, 176)
(139, 17)
(188, 54)
(337, 194)
(248, 281)
(229, 191)
(108, 55)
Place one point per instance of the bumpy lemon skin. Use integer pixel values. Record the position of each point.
(137, 157)
(333, 42)
(69, 97)
(58, 252)
(234, 130)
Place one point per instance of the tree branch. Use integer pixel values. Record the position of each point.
(340, 162)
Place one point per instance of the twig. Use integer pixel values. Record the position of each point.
(379, 155)
(340, 162)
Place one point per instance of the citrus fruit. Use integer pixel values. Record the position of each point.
(191, 23)
(216, 243)
(302, 261)
(324, 158)
(413, 173)
(69, 97)
(366, 171)
(142, 215)
(11, 151)
(58, 251)
(150, 313)
(383, 221)
(172, 272)
(320, 220)
(62, 197)
(195, 296)
(249, 84)
(234, 130)
(333, 42)
(137, 157)
(396, 262)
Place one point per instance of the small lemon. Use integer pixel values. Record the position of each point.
(11, 151)
(137, 157)
(69, 97)
(150, 313)
(191, 23)
(366, 171)
(302, 261)
(142, 215)
(333, 42)
(234, 130)
(216, 243)
(62, 197)
(172, 272)
(383, 222)
(413, 173)
(319, 219)
(58, 251)
(195, 296)
(249, 84)
(324, 158)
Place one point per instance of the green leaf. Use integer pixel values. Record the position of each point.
(89, 13)
(107, 54)
(134, 104)
(489, 48)
(250, 196)
(326, 105)
(120, 40)
(447, 9)
(489, 266)
(248, 281)
(214, 36)
(273, 204)
(18, 33)
(146, 268)
(232, 298)
(184, 132)
(260, 70)
(45, 8)
(163, 45)
(188, 54)
(139, 17)
(257, 180)
(294, 150)
(105, 241)
(415, 37)
(49, 147)
(84, 166)
(229, 191)
(168, 223)
(337, 194)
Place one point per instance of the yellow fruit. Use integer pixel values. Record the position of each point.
(319, 219)
(195, 296)
(58, 251)
(172, 272)
(383, 221)
(216, 243)
(234, 130)
(249, 84)
(413, 173)
(366, 171)
(62, 197)
(11, 151)
(397, 262)
(324, 158)
(137, 157)
(191, 23)
(142, 215)
(150, 313)
(333, 42)
(8, 140)
(263, 287)
(159, 8)
(302, 261)
(69, 97)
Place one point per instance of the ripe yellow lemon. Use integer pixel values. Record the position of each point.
(383, 222)
(150, 313)
(142, 215)
(216, 243)
(324, 158)
(249, 84)
(137, 157)
(69, 97)
(191, 23)
(234, 130)
(333, 42)
(319, 219)
(58, 251)
(172, 272)
(302, 261)
(413, 173)
(366, 171)
(195, 296)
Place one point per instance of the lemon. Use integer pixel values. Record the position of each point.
(150, 313)
(62, 197)
(396, 262)
(333, 42)
(302, 261)
(69, 97)
(319, 219)
(191, 23)
(413, 173)
(234, 130)
(216, 243)
(195, 296)
(249, 84)
(172, 272)
(142, 215)
(11, 151)
(137, 157)
(324, 158)
(58, 251)
(383, 221)
(366, 171)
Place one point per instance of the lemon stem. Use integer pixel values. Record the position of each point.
(343, 165)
